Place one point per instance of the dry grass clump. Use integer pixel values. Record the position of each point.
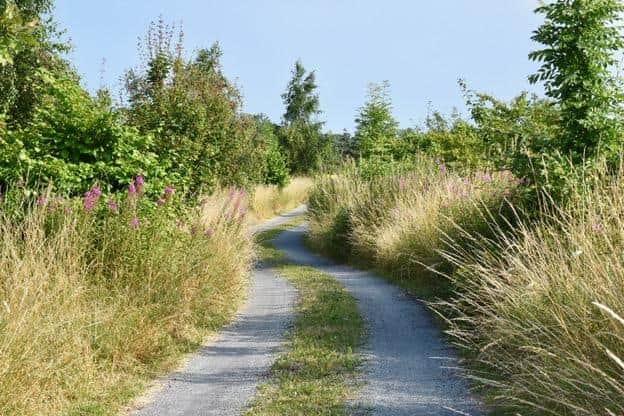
(400, 223)
(535, 303)
(97, 297)
(530, 310)
(269, 200)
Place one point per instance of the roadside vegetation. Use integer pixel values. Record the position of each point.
(101, 294)
(509, 224)
(317, 373)
(123, 223)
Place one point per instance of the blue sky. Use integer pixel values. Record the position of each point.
(420, 47)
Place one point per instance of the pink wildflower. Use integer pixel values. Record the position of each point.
(134, 222)
(160, 201)
(42, 201)
(169, 191)
(112, 206)
(598, 228)
(132, 190)
(139, 181)
(443, 168)
(209, 232)
(486, 177)
(96, 191)
(91, 198)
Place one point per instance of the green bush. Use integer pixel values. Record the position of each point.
(72, 142)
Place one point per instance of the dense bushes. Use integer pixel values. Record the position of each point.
(193, 112)
(182, 123)
(101, 147)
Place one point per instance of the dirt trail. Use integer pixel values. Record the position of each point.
(221, 378)
(406, 357)
(406, 371)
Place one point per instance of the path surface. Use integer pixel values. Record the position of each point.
(222, 377)
(404, 373)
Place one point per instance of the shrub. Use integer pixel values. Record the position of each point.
(193, 112)
(72, 142)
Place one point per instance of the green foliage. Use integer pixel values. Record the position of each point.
(300, 135)
(100, 148)
(28, 45)
(376, 129)
(276, 167)
(581, 38)
(193, 112)
(454, 141)
(15, 34)
(300, 98)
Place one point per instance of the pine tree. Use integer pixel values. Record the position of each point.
(376, 129)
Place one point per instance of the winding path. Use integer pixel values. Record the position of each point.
(401, 374)
(406, 370)
(222, 377)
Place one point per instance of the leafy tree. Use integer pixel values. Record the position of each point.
(300, 134)
(300, 98)
(514, 135)
(276, 166)
(580, 38)
(29, 51)
(376, 128)
(72, 142)
(193, 112)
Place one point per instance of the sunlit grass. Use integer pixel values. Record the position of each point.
(269, 200)
(93, 304)
(316, 376)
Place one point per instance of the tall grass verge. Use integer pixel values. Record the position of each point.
(399, 223)
(538, 312)
(99, 295)
(269, 200)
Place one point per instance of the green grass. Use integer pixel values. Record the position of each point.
(318, 373)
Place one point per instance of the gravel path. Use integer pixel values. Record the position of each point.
(405, 355)
(222, 377)
(403, 372)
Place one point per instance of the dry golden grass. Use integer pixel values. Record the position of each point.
(400, 223)
(91, 308)
(269, 200)
(535, 304)
(530, 309)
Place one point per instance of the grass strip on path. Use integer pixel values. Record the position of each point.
(317, 374)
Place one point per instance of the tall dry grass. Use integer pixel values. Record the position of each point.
(534, 301)
(400, 223)
(530, 310)
(95, 303)
(269, 200)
